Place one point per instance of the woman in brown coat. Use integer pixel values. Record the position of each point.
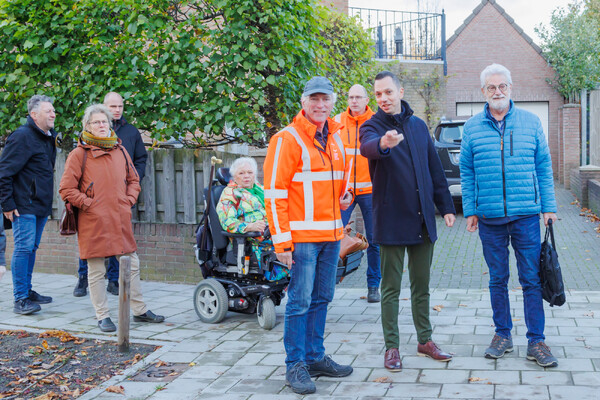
(101, 181)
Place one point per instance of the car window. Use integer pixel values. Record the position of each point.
(451, 134)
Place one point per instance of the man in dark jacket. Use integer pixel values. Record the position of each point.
(131, 139)
(408, 182)
(26, 192)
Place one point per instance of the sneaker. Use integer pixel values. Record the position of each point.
(26, 306)
(299, 380)
(373, 295)
(328, 367)
(106, 325)
(81, 288)
(540, 353)
(35, 297)
(499, 346)
(149, 316)
(113, 287)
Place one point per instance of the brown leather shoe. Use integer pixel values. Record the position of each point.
(431, 350)
(392, 360)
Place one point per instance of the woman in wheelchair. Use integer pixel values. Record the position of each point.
(241, 209)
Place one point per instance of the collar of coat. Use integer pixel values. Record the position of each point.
(488, 114)
(396, 119)
(50, 134)
(303, 125)
(359, 119)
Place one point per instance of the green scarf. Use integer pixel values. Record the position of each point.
(259, 193)
(103, 142)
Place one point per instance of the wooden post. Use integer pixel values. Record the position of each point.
(124, 282)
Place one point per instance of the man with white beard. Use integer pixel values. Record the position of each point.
(506, 178)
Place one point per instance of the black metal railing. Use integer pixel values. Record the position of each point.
(405, 34)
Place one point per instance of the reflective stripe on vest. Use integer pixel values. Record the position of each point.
(351, 151)
(277, 227)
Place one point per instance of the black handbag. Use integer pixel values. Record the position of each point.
(68, 220)
(553, 289)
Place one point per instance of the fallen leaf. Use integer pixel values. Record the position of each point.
(462, 305)
(363, 297)
(404, 298)
(580, 339)
(192, 364)
(169, 324)
(438, 308)
(475, 379)
(37, 371)
(63, 388)
(84, 353)
(47, 396)
(590, 314)
(116, 389)
(383, 379)
(161, 363)
(45, 344)
(516, 319)
(485, 273)
(76, 393)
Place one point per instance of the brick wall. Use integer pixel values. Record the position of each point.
(594, 196)
(490, 38)
(580, 179)
(569, 133)
(166, 252)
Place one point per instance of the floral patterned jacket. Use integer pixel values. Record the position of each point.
(238, 207)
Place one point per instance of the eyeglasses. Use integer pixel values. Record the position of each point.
(352, 98)
(103, 122)
(492, 89)
(316, 100)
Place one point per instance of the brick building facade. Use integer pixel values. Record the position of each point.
(487, 36)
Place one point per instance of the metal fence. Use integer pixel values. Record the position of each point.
(405, 34)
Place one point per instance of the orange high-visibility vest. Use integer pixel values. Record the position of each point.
(303, 184)
(360, 179)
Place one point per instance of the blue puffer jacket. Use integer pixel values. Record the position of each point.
(506, 176)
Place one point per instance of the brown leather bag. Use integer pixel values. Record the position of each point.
(68, 219)
(349, 244)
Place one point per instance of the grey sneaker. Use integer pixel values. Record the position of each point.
(299, 380)
(328, 367)
(499, 347)
(373, 295)
(540, 353)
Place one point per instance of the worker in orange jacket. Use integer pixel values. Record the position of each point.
(305, 191)
(355, 115)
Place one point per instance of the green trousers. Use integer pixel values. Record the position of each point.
(419, 265)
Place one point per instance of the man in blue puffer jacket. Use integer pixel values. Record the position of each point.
(506, 178)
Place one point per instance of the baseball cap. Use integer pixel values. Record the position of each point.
(318, 84)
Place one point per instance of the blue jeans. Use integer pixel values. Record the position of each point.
(524, 235)
(311, 289)
(112, 272)
(2, 244)
(27, 233)
(365, 201)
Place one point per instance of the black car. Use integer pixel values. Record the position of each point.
(447, 137)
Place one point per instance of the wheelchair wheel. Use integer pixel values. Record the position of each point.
(267, 318)
(210, 301)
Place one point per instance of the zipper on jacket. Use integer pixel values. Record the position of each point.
(333, 192)
(511, 142)
(534, 188)
(503, 173)
(355, 156)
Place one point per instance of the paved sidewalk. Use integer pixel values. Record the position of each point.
(238, 360)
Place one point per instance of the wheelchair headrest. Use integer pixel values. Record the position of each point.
(223, 176)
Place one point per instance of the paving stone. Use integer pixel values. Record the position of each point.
(495, 377)
(404, 376)
(574, 392)
(586, 378)
(251, 359)
(251, 372)
(547, 377)
(220, 396)
(257, 386)
(443, 376)
(216, 358)
(346, 337)
(234, 346)
(582, 351)
(358, 375)
(468, 363)
(201, 372)
(359, 348)
(416, 390)
(365, 388)
(220, 385)
(273, 359)
(467, 391)
(423, 362)
(574, 364)
(522, 392)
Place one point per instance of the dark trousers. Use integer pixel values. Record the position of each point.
(419, 265)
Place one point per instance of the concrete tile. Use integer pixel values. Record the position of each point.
(404, 376)
(546, 377)
(574, 392)
(416, 390)
(495, 377)
(443, 376)
(423, 362)
(220, 386)
(469, 363)
(216, 358)
(364, 388)
(251, 359)
(205, 372)
(252, 372)
(252, 386)
(522, 392)
(573, 364)
(467, 391)
(586, 378)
